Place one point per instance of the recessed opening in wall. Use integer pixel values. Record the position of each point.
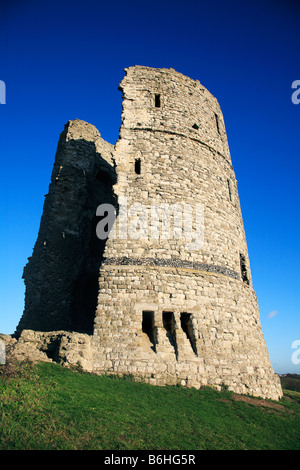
(148, 327)
(52, 350)
(137, 166)
(169, 325)
(85, 297)
(187, 326)
(195, 126)
(229, 189)
(217, 123)
(244, 269)
(157, 100)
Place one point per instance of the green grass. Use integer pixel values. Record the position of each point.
(50, 407)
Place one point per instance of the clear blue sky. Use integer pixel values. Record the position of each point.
(64, 59)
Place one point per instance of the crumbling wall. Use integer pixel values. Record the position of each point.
(165, 312)
(173, 150)
(61, 276)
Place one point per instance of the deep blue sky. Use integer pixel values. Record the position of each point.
(64, 59)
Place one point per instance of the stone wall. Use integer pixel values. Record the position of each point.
(181, 145)
(179, 164)
(229, 347)
(167, 311)
(61, 276)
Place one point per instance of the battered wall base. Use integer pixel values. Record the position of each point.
(77, 349)
(222, 345)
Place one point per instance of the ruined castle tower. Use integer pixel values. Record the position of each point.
(168, 296)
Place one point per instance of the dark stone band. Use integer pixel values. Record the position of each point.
(172, 263)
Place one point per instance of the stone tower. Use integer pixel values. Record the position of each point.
(168, 296)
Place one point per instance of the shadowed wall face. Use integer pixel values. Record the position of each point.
(61, 277)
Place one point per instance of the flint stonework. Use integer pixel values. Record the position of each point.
(149, 307)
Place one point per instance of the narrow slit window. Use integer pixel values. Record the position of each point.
(217, 123)
(187, 326)
(244, 269)
(148, 328)
(157, 101)
(229, 189)
(137, 166)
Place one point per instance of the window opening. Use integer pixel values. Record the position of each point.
(169, 325)
(137, 166)
(244, 269)
(157, 101)
(217, 122)
(229, 189)
(187, 326)
(148, 328)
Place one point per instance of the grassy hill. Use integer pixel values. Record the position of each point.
(47, 406)
(291, 382)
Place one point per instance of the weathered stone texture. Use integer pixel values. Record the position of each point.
(67, 255)
(165, 313)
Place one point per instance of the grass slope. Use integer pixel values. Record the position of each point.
(50, 407)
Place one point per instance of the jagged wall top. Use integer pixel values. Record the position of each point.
(185, 106)
(82, 131)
